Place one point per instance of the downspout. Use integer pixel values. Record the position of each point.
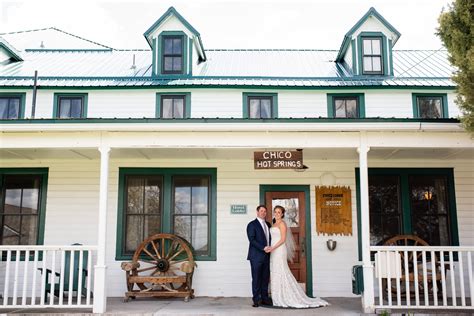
(35, 88)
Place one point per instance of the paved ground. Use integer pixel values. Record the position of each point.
(218, 306)
(204, 306)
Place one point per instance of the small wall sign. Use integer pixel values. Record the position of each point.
(333, 210)
(238, 209)
(284, 159)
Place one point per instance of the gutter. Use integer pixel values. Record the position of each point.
(236, 127)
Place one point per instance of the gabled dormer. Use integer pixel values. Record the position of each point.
(176, 45)
(367, 47)
(8, 53)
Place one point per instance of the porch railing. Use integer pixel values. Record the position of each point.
(423, 277)
(34, 276)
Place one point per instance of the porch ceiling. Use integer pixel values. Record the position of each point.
(234, 153)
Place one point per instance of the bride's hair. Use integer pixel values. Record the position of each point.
(282, 209)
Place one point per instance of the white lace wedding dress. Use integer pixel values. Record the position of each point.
(286, 292)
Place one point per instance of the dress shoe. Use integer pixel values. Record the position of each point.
(255, 304)
(267, 302)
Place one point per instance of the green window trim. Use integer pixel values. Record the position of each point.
(22, 96)
(166, 222)
(57, 96)
(444, 103)
(187, 103)
(43, 172)
(360, 101)
(158, 54)
(383, 39)
(405, 203)
(245, 102)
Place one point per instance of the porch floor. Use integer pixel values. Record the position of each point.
(203, 306)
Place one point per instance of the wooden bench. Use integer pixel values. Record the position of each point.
(162, 266)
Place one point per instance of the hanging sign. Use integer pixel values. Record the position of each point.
(333, 210)
(278, 159)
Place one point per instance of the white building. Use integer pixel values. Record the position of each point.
(99, 146)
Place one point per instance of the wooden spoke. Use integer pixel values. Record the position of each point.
(170, 251)
(149, 254)
(176, 254)
(154, 262)
(146, 269)
(162, 247)
(172, 263)
(156, 249)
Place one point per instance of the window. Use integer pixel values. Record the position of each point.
(191, 210)
(372, 58)
(23, 198)
(412, 201)
(346, 105)
(260, 106)
(178, 201)
(173, 105)
(172, 54)
(12, 106)
(430, 106)
(70, 106)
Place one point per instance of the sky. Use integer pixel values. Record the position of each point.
(226, 24)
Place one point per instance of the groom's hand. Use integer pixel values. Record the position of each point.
(267, 249)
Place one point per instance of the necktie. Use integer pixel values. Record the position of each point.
(265, 229)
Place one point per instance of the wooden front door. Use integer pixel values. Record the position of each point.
(294, 204)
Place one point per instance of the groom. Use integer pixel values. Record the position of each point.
(258, 233)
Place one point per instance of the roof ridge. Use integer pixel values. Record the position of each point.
(58, 30)
(272, 49)
(79, 37)
(26, 31)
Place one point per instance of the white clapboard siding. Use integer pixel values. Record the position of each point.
(226, 103)
(72, 215)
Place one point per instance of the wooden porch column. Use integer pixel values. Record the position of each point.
(100, 269)
(368, 301)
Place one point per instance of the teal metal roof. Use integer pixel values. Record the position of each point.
(98, 65)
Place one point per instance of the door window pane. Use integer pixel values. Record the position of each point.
(385, 208)
(429, 206)
(19, 209)
(291, 206)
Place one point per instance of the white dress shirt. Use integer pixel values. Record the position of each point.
(265, 229)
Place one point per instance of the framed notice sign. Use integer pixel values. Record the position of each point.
(333, 210)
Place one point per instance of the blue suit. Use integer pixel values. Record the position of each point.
(259, 260)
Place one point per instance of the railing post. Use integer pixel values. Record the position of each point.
(100, 293)
(368, 301)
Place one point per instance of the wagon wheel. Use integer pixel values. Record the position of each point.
(161, 255)
(408, 240)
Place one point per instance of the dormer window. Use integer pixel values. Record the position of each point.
(372, 55)
(172, 55)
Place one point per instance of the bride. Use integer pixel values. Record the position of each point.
(286, 292)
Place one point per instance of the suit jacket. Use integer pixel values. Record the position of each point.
(257, 241)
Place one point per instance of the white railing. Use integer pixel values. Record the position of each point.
(423, 277)
(46, 276)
